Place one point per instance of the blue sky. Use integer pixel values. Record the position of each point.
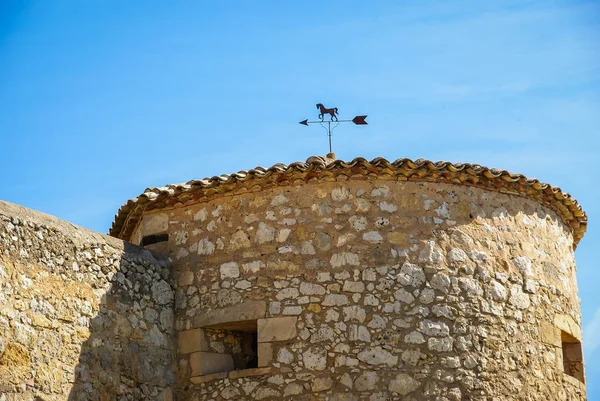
(101, 99)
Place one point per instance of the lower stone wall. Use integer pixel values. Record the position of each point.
(83, 316)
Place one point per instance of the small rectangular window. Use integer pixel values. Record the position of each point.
(228, 346)
(572, 356)
(154, 239)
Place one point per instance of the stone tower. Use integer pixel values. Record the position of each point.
(361, 280)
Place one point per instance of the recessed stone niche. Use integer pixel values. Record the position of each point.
(228, 340)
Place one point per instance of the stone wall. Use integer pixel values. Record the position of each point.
(83, 316)
(374, 290)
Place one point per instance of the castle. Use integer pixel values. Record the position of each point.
(323, 280)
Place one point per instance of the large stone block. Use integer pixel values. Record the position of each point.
(246, 311)
(154, 223)
(567, 324)
(206, 363)
(550, 334)
(265, 354)
(277, 329)
(191, 341)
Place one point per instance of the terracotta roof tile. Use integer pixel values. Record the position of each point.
(318, 168)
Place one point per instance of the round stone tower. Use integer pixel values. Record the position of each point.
(361, 280)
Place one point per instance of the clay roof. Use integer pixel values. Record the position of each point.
(319, 168)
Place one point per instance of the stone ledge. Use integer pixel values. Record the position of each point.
(208, 378)
(234, 374)
(237, 374)
(574, 382)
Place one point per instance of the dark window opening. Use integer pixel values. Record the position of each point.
(572, 356)
(247, 358)
(237, 340)
(154, 239)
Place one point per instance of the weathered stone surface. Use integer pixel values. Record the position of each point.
(359, 333)
(343, 259)
(367, 381)
(335, 300)
(162, 292)
(77, 308)
(229, 270)
(321, 384)
(388, 207)
(403, 384)
(292, 389)
(440, 282)
(353, 286)
(411, 356)
(414, 338)
(323, 241)
(315, 358)
(432, 328)
(377, 356)
(373, 237)
(287, 293)
(404, 296)
(497, 291)
(457, 255)
(440, 344)
(265, 392)
(431, 254)
(354, 313)
(229, 393)
(523, 264)
(311, 289)
(518, 298)
(264, 233)
(239, 240)
(285, 356)
(411, 275)
(205, 247)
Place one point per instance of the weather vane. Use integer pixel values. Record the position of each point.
(333, 112)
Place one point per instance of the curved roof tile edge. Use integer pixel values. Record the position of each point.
(404, 169)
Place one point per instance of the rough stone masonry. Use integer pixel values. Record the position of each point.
(83, 316)
(322, 280)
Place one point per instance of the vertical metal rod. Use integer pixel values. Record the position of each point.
(329, 134)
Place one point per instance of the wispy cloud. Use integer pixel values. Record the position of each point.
(591, 335)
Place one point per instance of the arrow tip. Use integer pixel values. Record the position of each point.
(359, 120)
(304, 122)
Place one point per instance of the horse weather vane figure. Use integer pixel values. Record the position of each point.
(333, 112)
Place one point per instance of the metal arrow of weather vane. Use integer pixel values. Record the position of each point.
(333, 112)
